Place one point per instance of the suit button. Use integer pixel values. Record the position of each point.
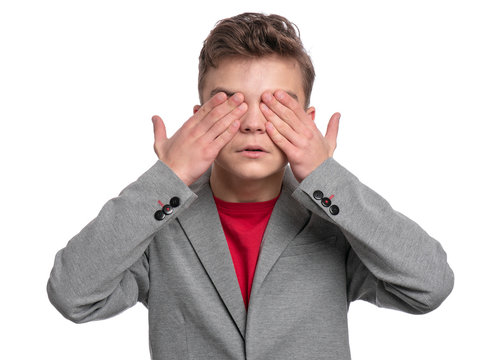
(326, 202)
(167, 209)
(174, 202)
(159, 215)
(318, 194)
(334, 210)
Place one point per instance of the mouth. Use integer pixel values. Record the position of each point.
(252, 148)
(252, 152)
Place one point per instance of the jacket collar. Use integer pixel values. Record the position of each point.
(202, 225)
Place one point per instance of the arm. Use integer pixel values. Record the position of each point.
(104, 269)
(391, 262)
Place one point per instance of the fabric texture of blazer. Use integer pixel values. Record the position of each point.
(314, 260)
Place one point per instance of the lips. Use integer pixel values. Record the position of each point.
(252, 148)
(252, 151)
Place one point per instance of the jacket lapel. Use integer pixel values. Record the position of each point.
(209, 242)
(287, 220)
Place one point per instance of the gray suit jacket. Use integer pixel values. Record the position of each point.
(312, 264)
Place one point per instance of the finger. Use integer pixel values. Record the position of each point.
(159, 129)
(220, 126)
(279, 140)
(332, 131)
(283, 112)
(214, 101)
(225, 137)
(218, 113)
(225, 108)
(291, 103)
(281, 126)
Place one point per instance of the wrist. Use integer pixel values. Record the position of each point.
(177, 171)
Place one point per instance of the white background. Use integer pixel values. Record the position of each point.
(420, 85)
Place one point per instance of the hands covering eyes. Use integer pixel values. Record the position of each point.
(194, 147)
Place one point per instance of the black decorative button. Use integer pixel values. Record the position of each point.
(159, 215)
(334, 210)
(174, 202)
(326, 202)
(167, 209)
(318, 194)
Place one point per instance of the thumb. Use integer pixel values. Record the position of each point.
(159, 129)
(332, 131)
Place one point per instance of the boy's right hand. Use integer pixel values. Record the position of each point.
(194, 147)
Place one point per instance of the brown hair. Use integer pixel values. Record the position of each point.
(255, 35)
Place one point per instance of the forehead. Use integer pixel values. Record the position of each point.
(254, 76)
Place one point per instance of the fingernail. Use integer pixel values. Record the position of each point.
(267, 97)
(237, 98)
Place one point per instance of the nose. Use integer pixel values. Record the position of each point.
(253, 122)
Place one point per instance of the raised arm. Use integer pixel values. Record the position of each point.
(104, 269)
(392, 262)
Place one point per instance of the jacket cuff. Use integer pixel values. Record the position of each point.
(323, 191)
(160, 193)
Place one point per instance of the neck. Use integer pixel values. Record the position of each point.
(233, 189)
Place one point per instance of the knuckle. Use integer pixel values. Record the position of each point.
(192, 132)
(188, 124)
(279, 126)
(202, 111)
(216, 113)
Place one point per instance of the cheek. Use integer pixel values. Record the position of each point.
(223, 156)
(280, 153)
(284, 159)
(226, 150)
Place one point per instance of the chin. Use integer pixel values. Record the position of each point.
(251, 171)
(259, 175)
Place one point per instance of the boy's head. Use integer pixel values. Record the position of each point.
(251, 55)
(253, 35)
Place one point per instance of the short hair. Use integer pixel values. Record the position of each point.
(255, 35)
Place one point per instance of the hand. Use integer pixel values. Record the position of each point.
(294, 131)
(193, 148)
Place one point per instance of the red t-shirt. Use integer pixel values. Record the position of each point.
(244, 225)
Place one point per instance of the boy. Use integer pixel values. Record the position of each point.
(236, 255)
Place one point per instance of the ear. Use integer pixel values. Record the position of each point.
(196, 108)
(311, 112)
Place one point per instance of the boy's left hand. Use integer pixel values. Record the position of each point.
(294, 131)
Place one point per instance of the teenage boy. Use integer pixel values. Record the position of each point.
(235, 254)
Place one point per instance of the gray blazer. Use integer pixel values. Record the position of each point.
(314, 261)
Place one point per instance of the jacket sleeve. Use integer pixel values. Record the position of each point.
(391, 261)
(104, 269)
